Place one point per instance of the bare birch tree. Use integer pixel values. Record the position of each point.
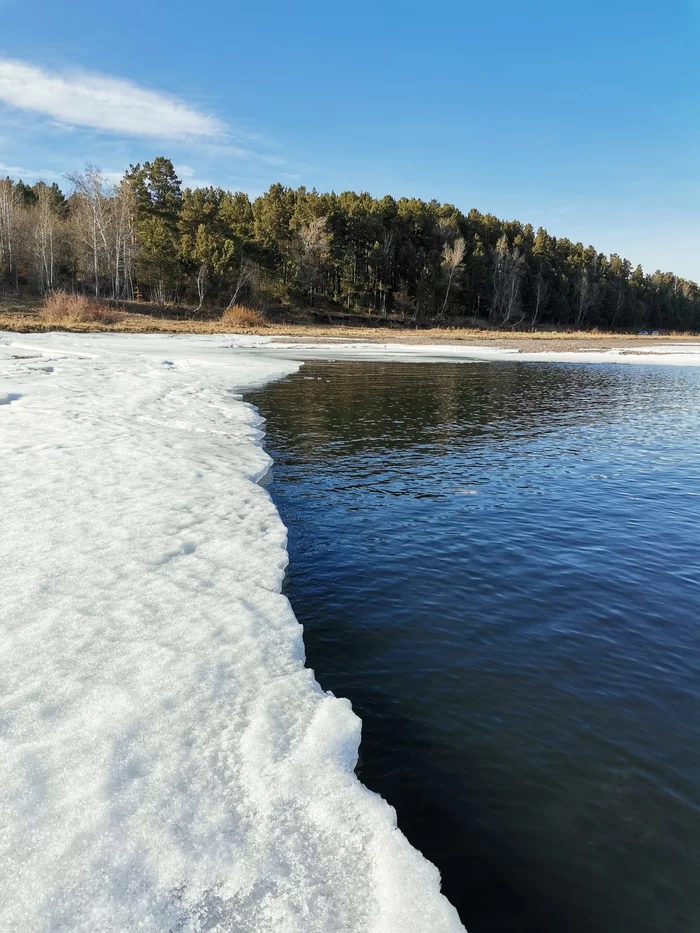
(92, 219)
(587, 292)
(105, 222)
(313, 245)
(584, 299)
(201, 281)
(452, 258)
(8, 210)
(508, 271)
(122, 239)
(85, 211)
(44, 224)
(247, 276)
(541, 293)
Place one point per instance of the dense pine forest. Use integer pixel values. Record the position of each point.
(419, 262)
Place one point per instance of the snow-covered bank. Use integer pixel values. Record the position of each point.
(671, 354)
(167, 763)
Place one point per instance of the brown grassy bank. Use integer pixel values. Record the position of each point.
(83, 315)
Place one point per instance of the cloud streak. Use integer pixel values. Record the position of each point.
(17, 171)
(102, 103)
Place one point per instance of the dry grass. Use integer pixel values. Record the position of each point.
(242, 316)
(65, 309)
(27, 313)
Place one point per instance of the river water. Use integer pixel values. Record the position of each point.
(499, 564)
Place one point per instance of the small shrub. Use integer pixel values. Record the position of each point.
(66, 308)
(241, 316)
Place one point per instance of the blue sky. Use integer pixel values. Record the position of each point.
(584, 118)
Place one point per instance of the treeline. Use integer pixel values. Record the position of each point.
(147, 238)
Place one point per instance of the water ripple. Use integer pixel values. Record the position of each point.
(499, 565)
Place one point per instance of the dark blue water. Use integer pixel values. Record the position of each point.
(499, 564)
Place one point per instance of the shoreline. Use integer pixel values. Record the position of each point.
(316, 335)
(661, 353)
(152, 658)
(24, 319)
(522, 343)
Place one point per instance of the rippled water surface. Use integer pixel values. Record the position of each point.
(500, 565)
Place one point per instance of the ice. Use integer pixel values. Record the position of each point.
(167, 763)
(663, 355)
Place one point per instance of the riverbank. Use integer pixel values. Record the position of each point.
(521, 342)
(22, 316)
(530, 342)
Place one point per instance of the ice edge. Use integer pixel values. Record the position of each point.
(170, 770)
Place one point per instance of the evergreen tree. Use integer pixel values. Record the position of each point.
(158, 201)
(419, 260)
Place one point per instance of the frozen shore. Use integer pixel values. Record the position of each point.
(167, 763)
(679, 354)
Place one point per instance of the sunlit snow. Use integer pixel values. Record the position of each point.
(662, 355)
(167, 763)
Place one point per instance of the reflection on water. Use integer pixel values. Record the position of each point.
(499, 565)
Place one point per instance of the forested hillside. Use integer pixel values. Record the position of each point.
(147, 238)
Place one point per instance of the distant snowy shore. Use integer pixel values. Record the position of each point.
(167, 763)
(680, 354)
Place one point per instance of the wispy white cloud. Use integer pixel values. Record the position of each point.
(190, 179)
(18, 171)
(102, 103)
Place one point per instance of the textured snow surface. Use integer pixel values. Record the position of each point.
(167, 763)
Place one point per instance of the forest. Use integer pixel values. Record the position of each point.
(148, 239)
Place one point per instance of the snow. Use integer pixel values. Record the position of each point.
(167, 763)
(665, 355)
